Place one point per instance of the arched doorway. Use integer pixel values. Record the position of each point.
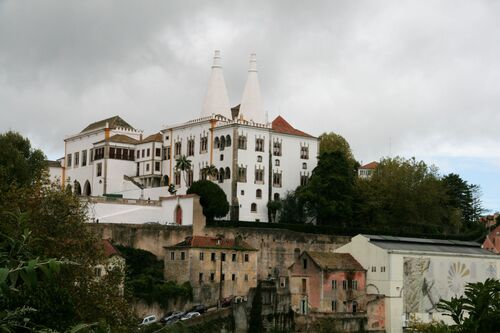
(87, 191)
(178, 215)
(78, 188)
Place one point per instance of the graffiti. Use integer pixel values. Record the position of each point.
(457, 277)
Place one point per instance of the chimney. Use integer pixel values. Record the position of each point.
(251, 104)
(216, 98)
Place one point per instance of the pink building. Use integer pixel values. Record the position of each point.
(492, 241)
(327, 282)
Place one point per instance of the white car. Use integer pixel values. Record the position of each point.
(148, 320)
(190, 315)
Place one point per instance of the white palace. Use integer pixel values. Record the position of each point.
(256, 161)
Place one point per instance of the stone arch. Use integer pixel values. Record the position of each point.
(371, 285)
(87, 190)
(178, 215)
(77, 188)
(227, 173)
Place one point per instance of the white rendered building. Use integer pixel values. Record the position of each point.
(256, 161)
(415, 273)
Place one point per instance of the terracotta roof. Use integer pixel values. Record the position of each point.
(153, 138)
(213, 243)
(335, 261)
(280, 125)
(372, 165)
(488, 245)
(113, 122)
(109, 249)
(121, 138)
(54, 164)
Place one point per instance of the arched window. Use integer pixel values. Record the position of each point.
(221, 175)
(86, 189)
(227, 174)
(217, 142)
(258, 193)
(222, 142)
(253, 207)
(276, 196)
(228, 141)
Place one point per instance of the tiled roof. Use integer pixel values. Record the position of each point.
(113, 122)
(335, 261)
(109, 249)
(121, 138)
(153, 138)
(214, 243)
(54, 164)
(371, 165)
(280, 125)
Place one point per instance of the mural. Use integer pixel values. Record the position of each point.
(428, 279)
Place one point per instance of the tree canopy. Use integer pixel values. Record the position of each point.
(212, 198)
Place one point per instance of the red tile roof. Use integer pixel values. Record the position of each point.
(280, 125)
(214, 243)
(109, 249)
(153, 137)
(335, 261)
(371, 165)
(121, 138)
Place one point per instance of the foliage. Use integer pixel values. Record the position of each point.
(432, 327)
(255, 322)
(478, 310)
(332, 142)
(144, 278)
(210, 171)
(464, 197)
(292, 209)
(272, 208)
(183, 164)
(212, 198)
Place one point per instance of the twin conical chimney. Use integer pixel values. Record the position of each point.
(216, 98)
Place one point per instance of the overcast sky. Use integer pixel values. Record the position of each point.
(410, 78)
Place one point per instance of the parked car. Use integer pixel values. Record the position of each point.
(200, 308)
(148, 320)
(190, 315)
(169, 316)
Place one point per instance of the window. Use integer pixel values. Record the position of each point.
(246, 277)
(259, 144)
(382, 269)
(334, 306)
(227, 173)
(354, 285)
(233, 277)
(246, 257)
(304, 286)
(344, 284)
(158, 152)
(177, 148)
(203, 144)
(148, 152)
(277, 148)
(222, 143)
(258, 193)
(303, 180)
(221, 157)
(212, 256)
(304, 166)
(200, 277)
(374, 268)
(138, 154)
(259, 158)
(304, 153)
(277, 179)
(190, 147)
(172, 255)
(216, 142)
(242, 174)
(228, 141)
(201, 255)
(222, 277)
(304, 263)
(212, 276)
(183, 255)
(190, 176)
(99, 153)
(77, 159)
(277, 162)
(223, 256)
(276, 196)
(84, 158)
(68, 160)
(157, 166)
(334, 284)
(147, 166)
(99, 169)
(259, 176)
(242, 192)
(253, 208)
(221, 175)
(167, 154)
(143, 153)
(242, 142)
(233, 257)
(177, 176)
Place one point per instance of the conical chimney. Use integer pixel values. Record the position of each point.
(251, 104)
(216, 99)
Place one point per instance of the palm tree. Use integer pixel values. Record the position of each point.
(210, 171)
(183, 164)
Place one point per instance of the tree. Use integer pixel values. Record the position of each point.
(272, 208)
(210, 171)
(212, 198)
(292, 209)
(332, 142)
(255, 324)
(183, 164)
(20, 164)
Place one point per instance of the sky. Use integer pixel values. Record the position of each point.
(395, 78)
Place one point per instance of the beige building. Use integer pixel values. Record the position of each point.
(217, 267)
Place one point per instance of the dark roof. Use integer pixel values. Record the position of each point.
(371, 165)
(109, 249)
(153, 138)
(213, 242)
(113, 122)
(54, 164)
(426, 245)
(121, 138)
(280, 125)
(335, 261)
